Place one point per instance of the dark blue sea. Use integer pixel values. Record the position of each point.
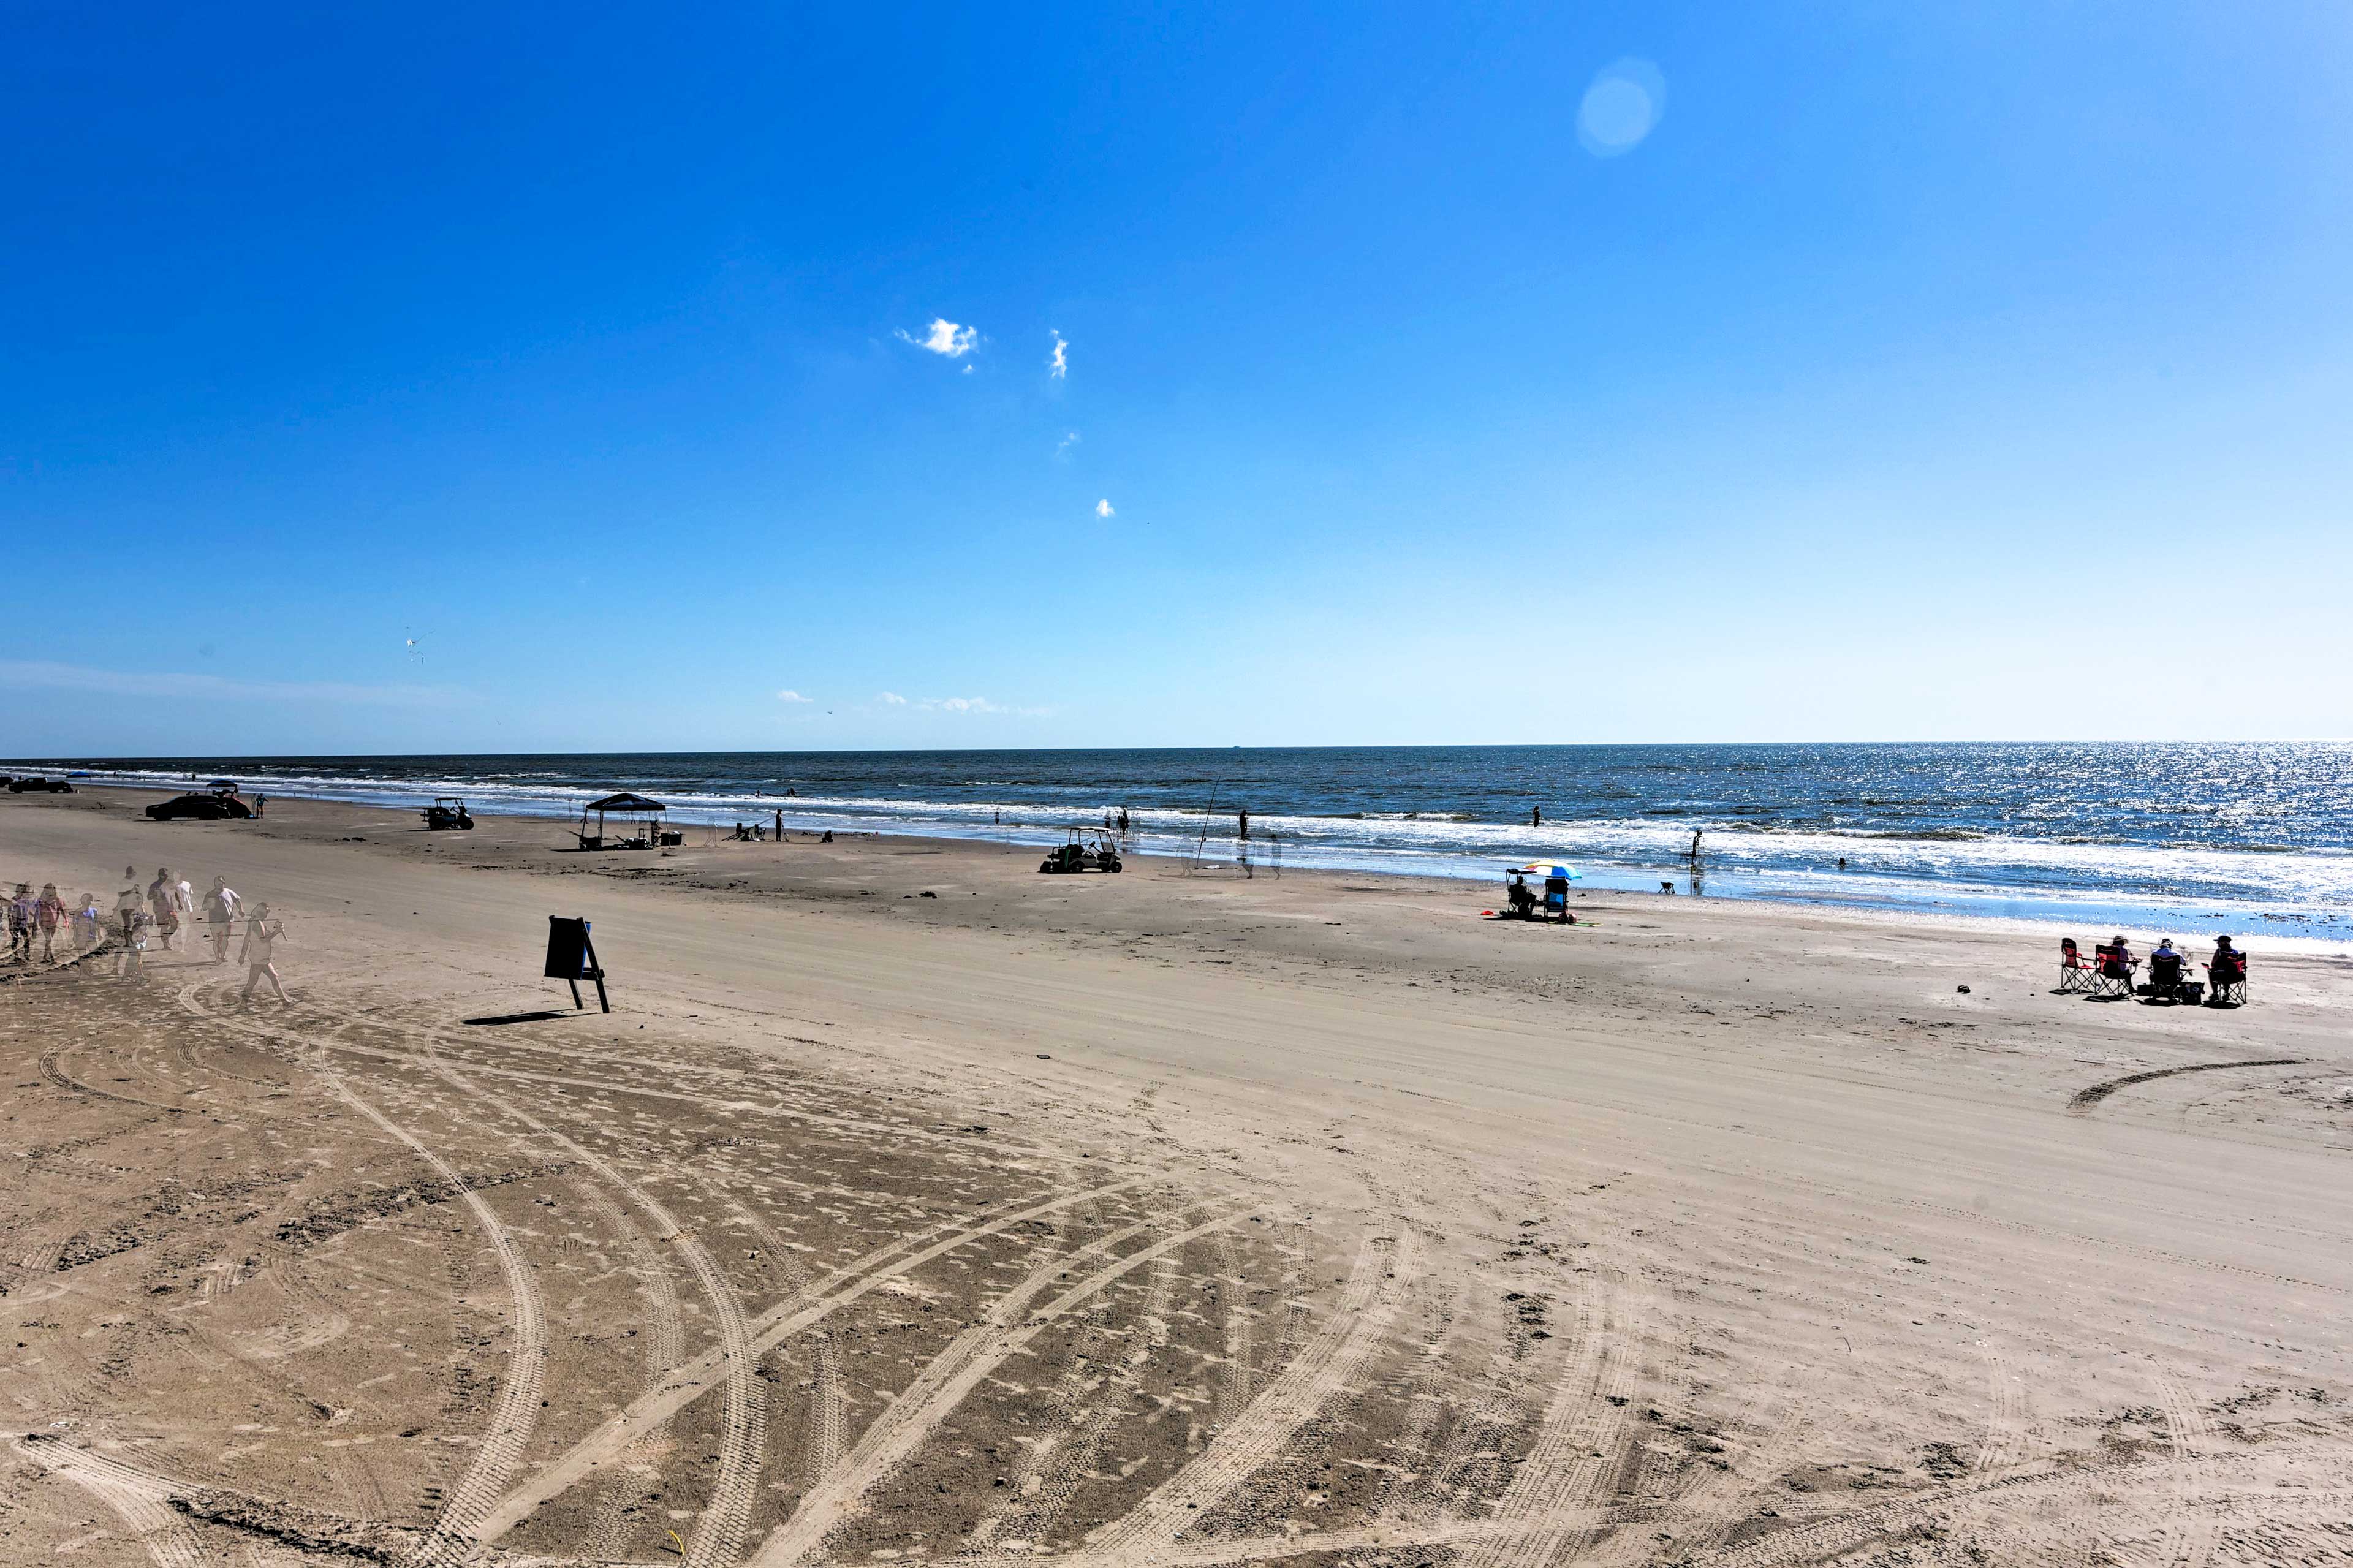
(2191, 838)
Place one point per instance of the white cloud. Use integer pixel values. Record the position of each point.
(945, 339)
(1620, 108)
(1059, 367)
(974, 705)
(1103, 508)
(788, 695)
(1070, 440)
(39, 674)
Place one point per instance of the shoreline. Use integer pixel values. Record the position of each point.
(1884, 904)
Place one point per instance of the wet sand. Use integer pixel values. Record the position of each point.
(1141, 1220)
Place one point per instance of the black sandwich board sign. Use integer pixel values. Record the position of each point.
(572, 958)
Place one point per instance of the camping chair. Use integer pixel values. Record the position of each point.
(2165, 978)
(2074, 975)
(2228, 979)
(2112, 973)
(1555, 899)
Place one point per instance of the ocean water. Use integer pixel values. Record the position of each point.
(2189, 837)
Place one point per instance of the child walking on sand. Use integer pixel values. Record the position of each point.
(130, 914)
(49, 913)
(20, 924)
(261, 935)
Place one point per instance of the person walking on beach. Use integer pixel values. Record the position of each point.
(260, 805)
(129, 909)
(184, 903)
(162, 898)
(20, 924)
(220, 912)
(780, 825)
(261, 937)
(50, 913)
(87, 920)
(1244, 830)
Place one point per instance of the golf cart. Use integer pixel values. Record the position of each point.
(448, 814)
(1088, 849)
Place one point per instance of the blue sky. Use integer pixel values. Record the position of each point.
(386, 379)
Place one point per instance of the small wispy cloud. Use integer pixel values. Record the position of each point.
(1070, 440)
(1103, 508)
(973, 706)
(789, 695)
(1059, 367)
(35, 674)
(945, 338)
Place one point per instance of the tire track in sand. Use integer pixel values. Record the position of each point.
(2190, 1531)
(726, 1520)
(2004, 1443)
(952, 1375)
(1550, 1500)
(1080, 1413)
(468, 1503)
(780, 1323)
(1385, 1266)
(139, 1499)
(719, 1534)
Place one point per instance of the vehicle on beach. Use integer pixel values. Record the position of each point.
(448, 814)
(1086, 851)
(40, 786)
(209, 806)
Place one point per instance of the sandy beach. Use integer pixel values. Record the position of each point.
(911, 1205)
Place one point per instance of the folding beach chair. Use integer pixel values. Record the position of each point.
(2227, 981)
(2111, 974)
(2074, 975)
(2165, 977)
(1556, 898)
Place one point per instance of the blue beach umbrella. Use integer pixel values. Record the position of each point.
(1548, 869)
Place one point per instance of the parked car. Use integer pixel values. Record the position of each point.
(205, 807)
(40, 786)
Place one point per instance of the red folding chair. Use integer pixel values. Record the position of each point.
(2226, 981)
(2112, 973)
(2074, 975)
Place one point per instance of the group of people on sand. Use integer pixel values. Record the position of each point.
(2225, 955)
(160, 911)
